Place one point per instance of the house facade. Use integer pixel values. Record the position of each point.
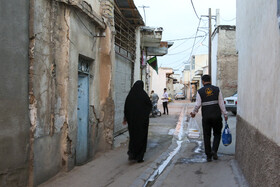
(224, 60)
(258, 112)
(63, 83)
(191, 75)
(126, 66)
(178, 86)
(162, 80)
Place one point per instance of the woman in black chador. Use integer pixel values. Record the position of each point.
(136, 114)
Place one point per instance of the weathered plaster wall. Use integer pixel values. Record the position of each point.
(107, 56)
(85, 44)
(224, 60)
(50, 82)
(14, 119)
(59, 33)
(94, 4)
(63, 33)
(106, 73)
(227, 62)
(258, 45)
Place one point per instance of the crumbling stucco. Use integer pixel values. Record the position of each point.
(227, 74)
(50, 66)
(86, 8)
(53, 73)
(48, 88)
(226, 60)
(107, 11)
(32, 100)
(106, 101)
(66, 149)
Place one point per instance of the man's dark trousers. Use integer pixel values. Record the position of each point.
(165, 107)
(208, 124)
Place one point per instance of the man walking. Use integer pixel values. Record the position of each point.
(165, 101)
(211, 100)
(154, 98)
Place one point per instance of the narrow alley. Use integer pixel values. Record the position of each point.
(79, 80)
(166, 163)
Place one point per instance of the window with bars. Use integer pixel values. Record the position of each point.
(125, 36)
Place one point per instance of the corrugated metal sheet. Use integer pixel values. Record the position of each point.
(130, 12)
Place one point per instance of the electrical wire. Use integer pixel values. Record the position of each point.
(181, 64)
(195, 38)
(182, 61)
(194, 44)
(187, 49)
(174, 47)
(184, 38)
(194, 10)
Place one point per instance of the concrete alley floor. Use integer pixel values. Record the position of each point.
(170, 160)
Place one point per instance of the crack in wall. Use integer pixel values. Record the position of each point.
(51, 57)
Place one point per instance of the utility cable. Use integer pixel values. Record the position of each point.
(184, 38)
(175, 47)
(195, 10)
(194, 43)
(183, 60)
(195, 39)
(186, 49)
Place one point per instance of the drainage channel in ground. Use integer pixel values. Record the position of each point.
(178, 138)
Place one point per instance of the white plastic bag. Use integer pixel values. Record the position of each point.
(193, 129)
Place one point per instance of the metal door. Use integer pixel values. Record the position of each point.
(83, 108)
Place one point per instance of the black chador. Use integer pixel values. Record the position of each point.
(136, 112)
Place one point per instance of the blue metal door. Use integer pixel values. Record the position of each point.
(83, 108)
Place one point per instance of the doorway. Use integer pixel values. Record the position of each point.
(82, 112)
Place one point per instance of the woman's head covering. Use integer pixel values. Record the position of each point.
(137, 87)
(137, 102)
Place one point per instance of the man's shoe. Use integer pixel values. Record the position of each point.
(215, 156)
(140, 161)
